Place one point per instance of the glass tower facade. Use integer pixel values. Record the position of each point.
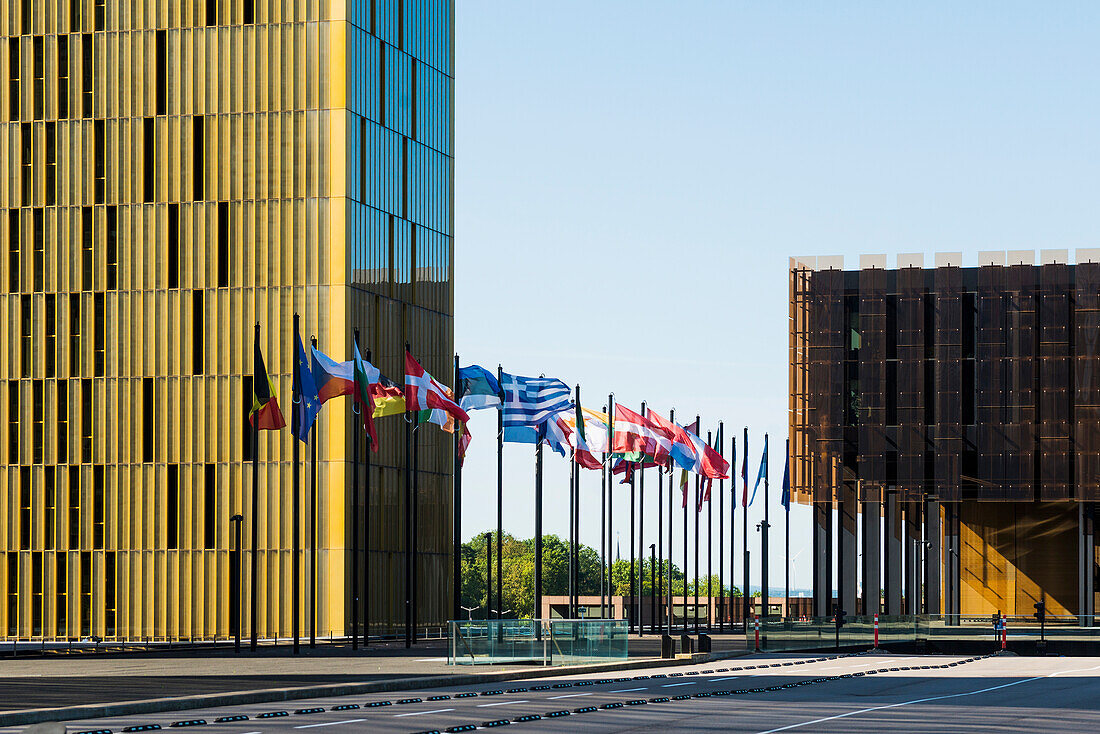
(175, 172)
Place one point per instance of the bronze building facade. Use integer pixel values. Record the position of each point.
(945, 427)
(176, 171)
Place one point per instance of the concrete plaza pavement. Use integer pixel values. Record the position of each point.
(899, 693)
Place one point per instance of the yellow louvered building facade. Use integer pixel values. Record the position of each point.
(175, 171)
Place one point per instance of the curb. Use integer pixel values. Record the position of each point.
(209, 700)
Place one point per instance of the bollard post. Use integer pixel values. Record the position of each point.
(876, 630)
(757, 625)
(1004, 634)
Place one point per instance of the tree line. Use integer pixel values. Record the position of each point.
(519, 574)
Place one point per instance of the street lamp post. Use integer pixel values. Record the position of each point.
(235, 582)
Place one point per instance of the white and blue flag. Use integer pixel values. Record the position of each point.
(529, 402)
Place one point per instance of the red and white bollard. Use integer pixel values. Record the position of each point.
(757, 632)
(1004, 633)
(876, 630)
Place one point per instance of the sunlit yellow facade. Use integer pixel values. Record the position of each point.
(174, 172)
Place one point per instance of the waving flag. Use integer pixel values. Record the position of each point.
(684, 486)
(555, 433)
(763, 473)
(305, 411)
(331, 377)
(265, 414)
(366, 376)
(477, 388)
(636, 437)
(590, 436)
(785, 497)
(681, 450)
(708, 462)
(424, 392)
(388, 397)
(530, 401)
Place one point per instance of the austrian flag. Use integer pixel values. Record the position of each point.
(422, 392)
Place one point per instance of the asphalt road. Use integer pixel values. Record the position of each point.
(894, 693)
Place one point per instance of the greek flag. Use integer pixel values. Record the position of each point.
(529, 402)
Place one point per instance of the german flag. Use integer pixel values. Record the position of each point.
(265, 414)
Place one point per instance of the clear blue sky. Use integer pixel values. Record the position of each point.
(631, 178)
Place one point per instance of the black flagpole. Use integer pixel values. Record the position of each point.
(787, 538)
(572, 538)
(641, 536)
(671, 491)
(313, 530)
(764, 590)
(577, 521)
(721, 538)
(695, 616)
(603, 527)
(733, 524)
(745, 593)
(686, 567)
(710, 545)
(355, 576)
(659, 589)
(364, 582)
(456, 536)
(409, 417)
(415, 524)
(633, 576)
(538, 533)
(500, 498)
(609, 560)
(296, 541)
(253, 519)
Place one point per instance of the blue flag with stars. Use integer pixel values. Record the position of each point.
(309, 403)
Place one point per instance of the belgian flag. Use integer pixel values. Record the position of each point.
(265, 414)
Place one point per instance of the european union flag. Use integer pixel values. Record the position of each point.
(308, 403)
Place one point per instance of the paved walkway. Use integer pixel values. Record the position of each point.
(71, 680)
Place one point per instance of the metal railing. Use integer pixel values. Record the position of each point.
(537, 641)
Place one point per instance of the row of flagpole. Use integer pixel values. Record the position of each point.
(530, 410)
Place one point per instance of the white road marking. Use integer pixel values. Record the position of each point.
(902, 703)
(627, 690)
(1079, 670)
(673, 685)
(731, 677)
(329, 723)
(500, 703)
(432, 660)
(572, 695)
(418, 713)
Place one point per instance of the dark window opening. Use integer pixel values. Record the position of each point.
(28, 163)
(199, 153)
(49, 506)
(51, 335)
(211, 12)
(249, 15)
(85, 593)
(100, 356)
(38, 51)
(26, 348)
(112, 247)
(87, 73)
(198, 337)
(98, 510)
(62, 76)
(51, 163)
(36, 593)
(75, 14)
(74, 507)
(61, 593)
(173, 246)
(109, 586)
(100, 14)
(86, 420)
(210, 508)
(13, 594)
(223, 244)
(100, 165)
(24, 508)
(87, 232)
(74, 334)
(13, 422)
(891, 393)
(38, 233)
(147, 420)
(172, 518)
(162, 72)
(38, 421)
(13, 86)
(27, 5)
(62, 438)
(13, 250)
(149, 156)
